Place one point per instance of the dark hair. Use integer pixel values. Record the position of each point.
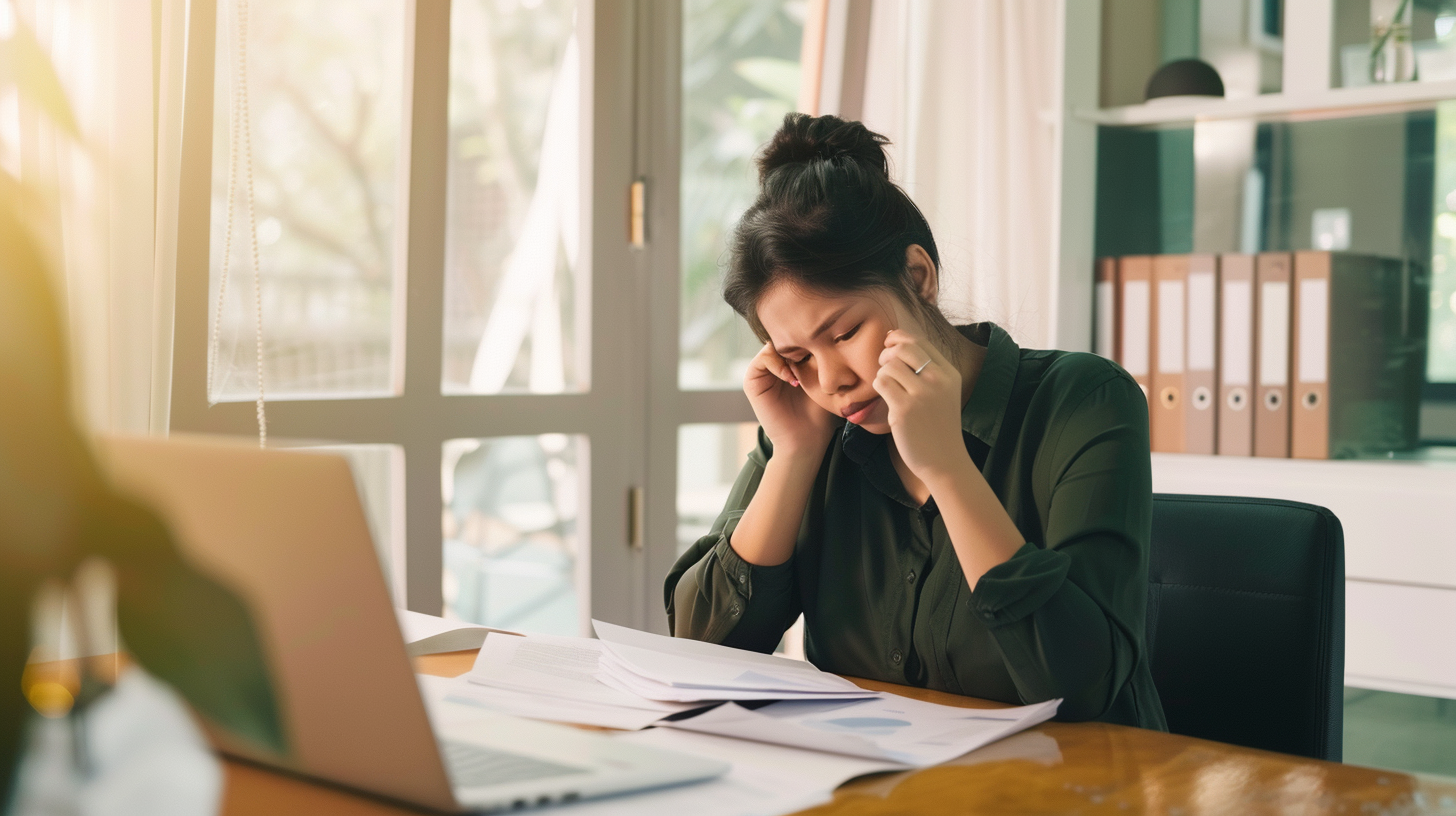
(828, 219)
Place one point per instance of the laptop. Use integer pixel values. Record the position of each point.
(285, 530)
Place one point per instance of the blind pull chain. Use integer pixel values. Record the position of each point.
(240, 140)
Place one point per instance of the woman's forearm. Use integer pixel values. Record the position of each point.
(980, 530)
(766, 534)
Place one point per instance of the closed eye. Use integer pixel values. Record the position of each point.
(800, 362)
(841, 338)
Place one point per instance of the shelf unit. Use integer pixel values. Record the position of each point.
(1399, 516)
(1364, 100)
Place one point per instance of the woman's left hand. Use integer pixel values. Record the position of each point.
(924, 408)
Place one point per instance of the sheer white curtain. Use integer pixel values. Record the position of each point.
(118, 62)
(969, 92)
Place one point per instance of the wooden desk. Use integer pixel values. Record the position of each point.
(1101, 768)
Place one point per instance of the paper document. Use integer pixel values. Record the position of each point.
(890, 727)
(624, 680)
(766, 780)
(555, 666)
(456, 694)
(428, 634)
(667, 668)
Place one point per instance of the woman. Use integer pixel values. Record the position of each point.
(945, 509)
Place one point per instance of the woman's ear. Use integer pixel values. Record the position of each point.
(923, 273)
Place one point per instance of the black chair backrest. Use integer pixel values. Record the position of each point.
(1246, 621)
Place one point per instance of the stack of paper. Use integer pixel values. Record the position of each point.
(823, 745)
(630, 680)
(817, 710)
(765, 780)
(548, 677)
(657, 667)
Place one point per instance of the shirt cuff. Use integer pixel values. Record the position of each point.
(1019, 586)
(746, 577)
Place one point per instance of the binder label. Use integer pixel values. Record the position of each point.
(1135, 328)
(1314, 311)
(1274, 333)
(1238, 344)
(1200, 321)
(1170, 327)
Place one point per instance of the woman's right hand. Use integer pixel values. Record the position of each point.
(789, 417)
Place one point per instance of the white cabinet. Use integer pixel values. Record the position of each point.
(1398, 637)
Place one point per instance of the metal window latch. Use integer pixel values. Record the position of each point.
(636, 517)
(637, 218)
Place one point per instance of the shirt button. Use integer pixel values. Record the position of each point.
(910, 577)
(742, 576)
(896, 657)
(733, 610)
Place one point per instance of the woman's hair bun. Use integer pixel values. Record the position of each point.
(804, 139)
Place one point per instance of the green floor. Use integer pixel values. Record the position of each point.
(1400, 731)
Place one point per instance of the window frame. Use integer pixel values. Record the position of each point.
(631, 131)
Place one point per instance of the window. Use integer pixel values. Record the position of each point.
(449, 294)
(515, 297)
(324, 111)
(512, 547)
(709, 457)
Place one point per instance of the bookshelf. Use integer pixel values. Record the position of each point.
(1399, 514)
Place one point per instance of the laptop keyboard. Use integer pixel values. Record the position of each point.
(473, 766)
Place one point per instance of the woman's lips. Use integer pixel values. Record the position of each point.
(856, 412)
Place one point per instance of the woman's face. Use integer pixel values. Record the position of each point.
(833, 343)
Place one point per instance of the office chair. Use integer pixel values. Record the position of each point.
(1246, 621)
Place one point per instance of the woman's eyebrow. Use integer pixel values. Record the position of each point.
(823, 327)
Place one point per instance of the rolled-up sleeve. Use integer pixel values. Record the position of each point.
(713, 595)
(1067, 611)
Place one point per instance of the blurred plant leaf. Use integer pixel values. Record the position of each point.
(40, 452)
(38, 485)
(25, 65)
(15, 594)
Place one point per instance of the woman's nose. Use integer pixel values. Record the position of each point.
(835, 376)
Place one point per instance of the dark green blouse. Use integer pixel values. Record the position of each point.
(1062, 438)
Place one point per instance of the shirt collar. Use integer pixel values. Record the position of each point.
(983, 413)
